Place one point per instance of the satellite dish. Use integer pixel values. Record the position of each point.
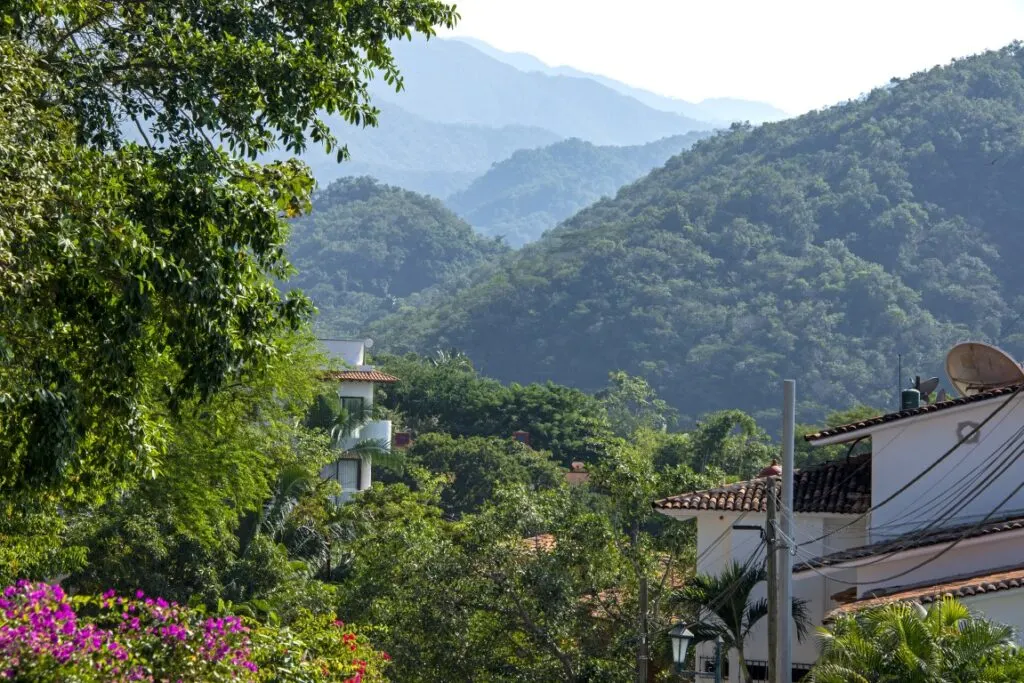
(974, 367)
(926, 387)
(368, 343)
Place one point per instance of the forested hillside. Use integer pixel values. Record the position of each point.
(452, 82)
(366, 247)
(816, 248)
(534, 189)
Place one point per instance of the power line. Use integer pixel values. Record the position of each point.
(961, 494)
(924, 472)
(965, 534)
(970, 492)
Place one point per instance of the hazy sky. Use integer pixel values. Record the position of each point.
(795, 54)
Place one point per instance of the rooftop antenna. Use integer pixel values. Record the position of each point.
(926, 387)
(976, 367)
(899, 378)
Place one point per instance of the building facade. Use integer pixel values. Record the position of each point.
(936, 508)
(363, 436)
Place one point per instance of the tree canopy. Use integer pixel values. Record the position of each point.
(535, 189)
(365, 248)
(140, 274)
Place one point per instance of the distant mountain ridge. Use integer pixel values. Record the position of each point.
(422, 155)
(720, 110)
(533, 190)
(450, 81)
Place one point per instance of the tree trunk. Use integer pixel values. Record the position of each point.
(744, 672)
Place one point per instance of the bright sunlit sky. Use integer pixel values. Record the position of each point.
(795, 54)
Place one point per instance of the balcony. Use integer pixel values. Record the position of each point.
(376, 431)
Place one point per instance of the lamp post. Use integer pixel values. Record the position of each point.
(681, 639)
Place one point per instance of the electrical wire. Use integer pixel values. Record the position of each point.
(721, 599)
(965, 534)
(968, 492)
(924, 472)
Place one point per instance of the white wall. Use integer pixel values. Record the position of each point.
(971, 556)
(363, 390)
(904, 449)
(376, 430)
(737, 545)
(344, 349)
(1004, 607)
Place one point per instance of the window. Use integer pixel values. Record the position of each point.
(353, 406)
(348, 475)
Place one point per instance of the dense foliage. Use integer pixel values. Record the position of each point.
(816, 248)
(136, 276)
(366, 247)
(535, 189)
(906, 642)
(445, 394)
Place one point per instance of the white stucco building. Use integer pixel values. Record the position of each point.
(356, 382)
(935, 508)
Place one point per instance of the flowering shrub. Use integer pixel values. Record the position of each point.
(46, 635)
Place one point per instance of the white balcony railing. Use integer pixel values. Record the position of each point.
(377, 431)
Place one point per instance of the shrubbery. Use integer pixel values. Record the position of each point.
(48, 635)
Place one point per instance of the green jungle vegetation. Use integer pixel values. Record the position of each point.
(535, 189)
(164, 416)
(365, 248)
(816, 248)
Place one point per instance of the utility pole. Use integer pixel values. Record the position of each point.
(642, 655)
(773, 585)
(785, 563)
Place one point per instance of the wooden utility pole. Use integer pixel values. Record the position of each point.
(785, 564)
(642, 654)
(773, 584)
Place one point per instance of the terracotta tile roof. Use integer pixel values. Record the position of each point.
(842, 486)
(541, 542)
(360, 376)
(913, 412)
(958, 587)
(915, 540)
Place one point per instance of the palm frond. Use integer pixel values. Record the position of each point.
(801, 618)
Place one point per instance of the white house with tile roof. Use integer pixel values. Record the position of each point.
(936, 508)
(828, 498)
(356, 385)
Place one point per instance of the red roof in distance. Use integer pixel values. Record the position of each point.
(360, 376)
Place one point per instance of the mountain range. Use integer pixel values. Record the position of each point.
(817, 248)
(535, 189)
(464, 107)
(413, 152)
(717, 110)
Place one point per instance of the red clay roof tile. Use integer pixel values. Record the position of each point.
(359, 376)
(913, 412)
(842, 487)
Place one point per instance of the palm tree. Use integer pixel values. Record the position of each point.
(328, 413)
(724, 605)
(903, 642)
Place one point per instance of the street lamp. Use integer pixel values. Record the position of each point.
(681, 640)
